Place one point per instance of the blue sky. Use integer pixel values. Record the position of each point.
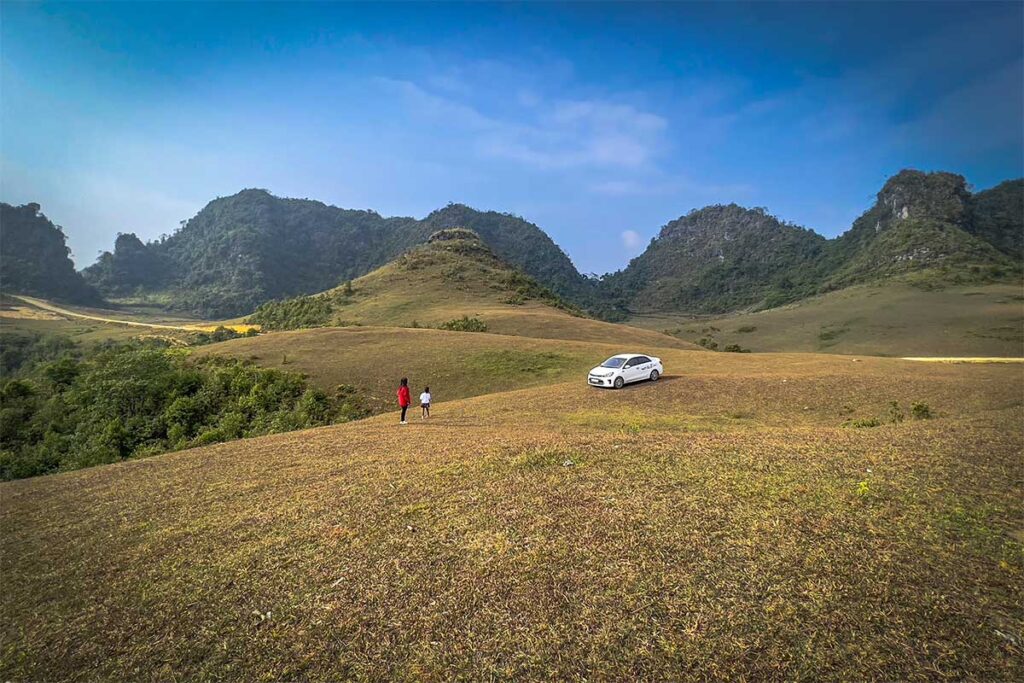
(600, 123)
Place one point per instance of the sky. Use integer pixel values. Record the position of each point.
(598, 122)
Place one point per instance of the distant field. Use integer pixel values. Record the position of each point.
(890, 320)
(721, 523)
(90, 325)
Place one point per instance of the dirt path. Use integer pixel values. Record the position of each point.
(47, 306)
(966, 359)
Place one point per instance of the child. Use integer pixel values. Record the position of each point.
(403, 398)
(425, 403)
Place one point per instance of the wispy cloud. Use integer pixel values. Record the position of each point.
(545, 133)
(673, 185)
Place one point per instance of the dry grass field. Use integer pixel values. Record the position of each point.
(721, 524)
(882, 320)
(454, 364)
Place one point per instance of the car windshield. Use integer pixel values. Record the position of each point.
(613, 362)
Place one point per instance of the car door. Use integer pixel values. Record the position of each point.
(629, 372)
(643, 367)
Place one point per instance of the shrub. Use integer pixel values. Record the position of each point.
(465, 324)
(708, 343)
(736, 348)
(895, 412)
(746, 329)
(292, 314)
(861, 423)
(920, 410)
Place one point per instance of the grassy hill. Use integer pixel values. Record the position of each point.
(721, 523)
(454, 364)
(243, 250)
(453, 276)
(890, 319)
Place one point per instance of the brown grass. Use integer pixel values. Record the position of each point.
(721, 524)
(886, 320)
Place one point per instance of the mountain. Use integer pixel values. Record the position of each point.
(453, 281)
(35, 259)
(920, 222)
(997, 216)
(720, 258)
(252, 247)
(519, 242)
(924, 226)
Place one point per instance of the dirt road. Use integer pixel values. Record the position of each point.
(47, 306)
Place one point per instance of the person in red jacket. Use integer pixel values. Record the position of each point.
(403, 397)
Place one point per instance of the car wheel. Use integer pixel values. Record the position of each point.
(655, 375)
(619, 382)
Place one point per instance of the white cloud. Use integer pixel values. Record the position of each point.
(632, 240)
(555, 134)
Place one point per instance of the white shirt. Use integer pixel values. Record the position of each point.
(424, 397)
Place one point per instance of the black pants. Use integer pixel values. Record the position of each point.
(404, 408)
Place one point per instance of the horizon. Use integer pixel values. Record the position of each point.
(599, 124)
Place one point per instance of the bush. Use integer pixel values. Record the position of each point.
(464, 324)
(708, 343)
(862, 423)
(293, 314)
(920, 410)
(895, 412)
(736, 348)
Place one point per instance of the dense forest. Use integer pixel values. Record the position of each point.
(35, 259)
(63, 407)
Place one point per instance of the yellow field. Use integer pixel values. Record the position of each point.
(719, 524)
(884, 320)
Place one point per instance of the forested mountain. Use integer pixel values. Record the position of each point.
(720, 258)
(455, 273)
(243, 250)
(34, 258)
(252, 247)
(923, 225)
(997, 216)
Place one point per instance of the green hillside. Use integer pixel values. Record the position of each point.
(246, 249)
(926, 228)
(454, 276)
(34, 258)
(720, 258)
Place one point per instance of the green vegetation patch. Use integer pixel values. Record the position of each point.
(63, 409)
(293, 314)
(464, 324)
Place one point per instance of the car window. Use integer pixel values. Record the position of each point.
(613, 362)
(642, 359)
(632, 362)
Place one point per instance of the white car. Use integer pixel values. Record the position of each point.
(624, 368)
